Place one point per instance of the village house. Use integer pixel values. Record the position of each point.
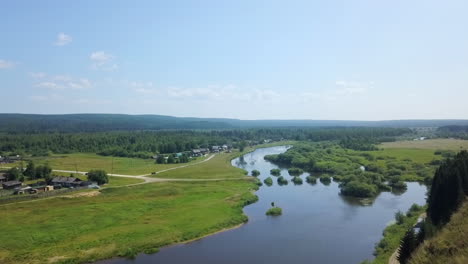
(215, 149)
(66, 181)
(3, 177)
(9, 185)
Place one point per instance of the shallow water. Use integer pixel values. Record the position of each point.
(317, 226)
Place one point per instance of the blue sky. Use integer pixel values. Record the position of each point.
(352, 60)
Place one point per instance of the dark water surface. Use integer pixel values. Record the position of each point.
(317, 226)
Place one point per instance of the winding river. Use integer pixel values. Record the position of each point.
(317, 226)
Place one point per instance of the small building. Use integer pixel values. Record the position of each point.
(9, 185)
(204, 151)
(196, 153)
(3, 177)
(65, 181)
(215, 149)
(225, 147)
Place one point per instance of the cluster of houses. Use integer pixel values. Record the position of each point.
(9, 159)
(56, 183)
(214, 149)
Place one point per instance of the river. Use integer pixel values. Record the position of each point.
(317, 226)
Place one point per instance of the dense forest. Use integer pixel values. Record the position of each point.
(453, 131)
(73, 123)
(146, 143)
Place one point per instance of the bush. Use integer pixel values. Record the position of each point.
(282, 180)
(274, 211)
(359, 189)
(297, 180)
(275, 172)
(255, 173)
(268, 181)
(311, 179)
(295, 171)
(325, 179)
(400, 217)
(99, 176)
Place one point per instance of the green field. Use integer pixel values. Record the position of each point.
(415, 155)
(119, 221)
(219, 167)
(441, 143)
(117, 165)
(128, 220)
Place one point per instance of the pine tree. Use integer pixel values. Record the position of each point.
(407, 245)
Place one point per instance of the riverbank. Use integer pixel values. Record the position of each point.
(87, 229)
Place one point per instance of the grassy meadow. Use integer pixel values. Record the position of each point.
(119, 221)
(434, 144)
(89, 161)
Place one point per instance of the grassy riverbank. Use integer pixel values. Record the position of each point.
(393, 234)
(128, 220)
(119, 221)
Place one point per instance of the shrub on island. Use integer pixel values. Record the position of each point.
(325, 179)
(297, 180)
(275, 172)
(359, 189)
(268, 181)
(311, 179)
(274, 211)
(295, 171)
(255, 173)
(282, 180)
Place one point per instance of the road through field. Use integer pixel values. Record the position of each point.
(147, 179)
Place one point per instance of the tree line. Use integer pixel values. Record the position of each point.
(144, 144)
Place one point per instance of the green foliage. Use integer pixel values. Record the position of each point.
(297, 180)
(255, 173)
(400, 217)
(160, 159)
(268, 181)
(274, 211)
(448, 189)
(392, 236)
(358, 189)
(325, 179)
(282, 181)
(407, 246)
(14, 174)
(275, 172)
(99, 176)
(295, 171)
(311, 179)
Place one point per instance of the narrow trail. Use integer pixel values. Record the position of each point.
(146, 179)
(394, 257)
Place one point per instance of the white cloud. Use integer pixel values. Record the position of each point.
(38, 75)
(6, 64)
(63, 82)
(220, 93)
(63, 39)
(353, 88)
(102, 61)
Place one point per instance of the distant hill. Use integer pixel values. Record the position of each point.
(13, 123)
